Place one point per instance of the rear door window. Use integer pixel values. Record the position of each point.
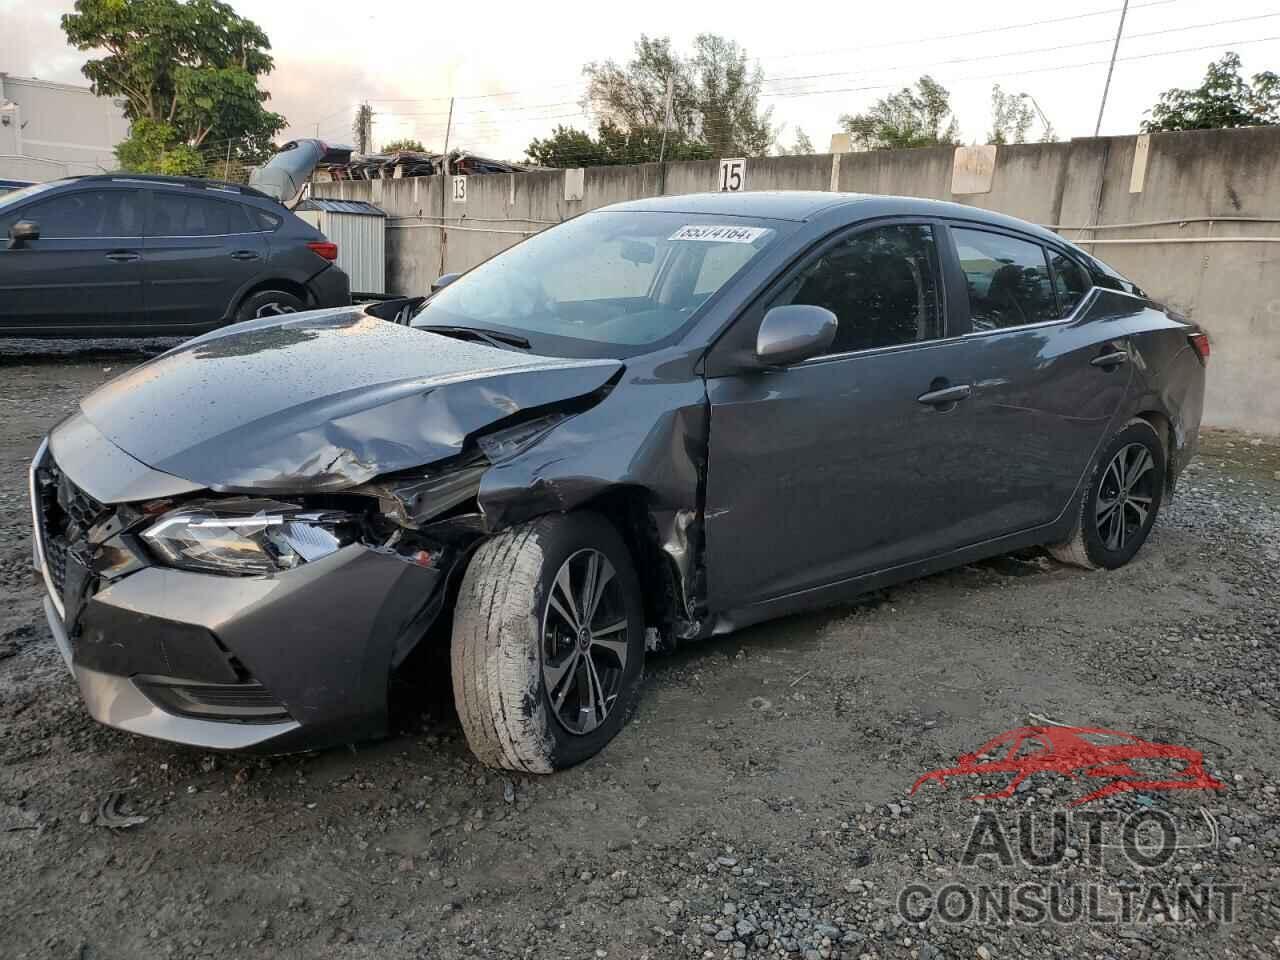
(1007, 279)
(184, 215)
(87, 214)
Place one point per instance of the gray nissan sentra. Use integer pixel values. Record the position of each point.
(657, 422)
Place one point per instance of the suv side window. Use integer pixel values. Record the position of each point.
(1070, 280)
(882, 285)
(86, 214)
(1008, 280)
(176, 214)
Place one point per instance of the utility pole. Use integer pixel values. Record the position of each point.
(662, 148)
(1034, 103)
(444, 187)
(1097, 129)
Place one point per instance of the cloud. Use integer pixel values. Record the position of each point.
(32, 43)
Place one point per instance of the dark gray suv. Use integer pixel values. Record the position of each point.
(128, 255)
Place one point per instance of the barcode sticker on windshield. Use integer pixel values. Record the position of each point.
(720, 234)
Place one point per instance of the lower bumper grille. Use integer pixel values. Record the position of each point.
(236, 702)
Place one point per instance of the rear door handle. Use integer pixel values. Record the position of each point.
(1108, 360)
(244, 255)
(123, 256)
(938, 398)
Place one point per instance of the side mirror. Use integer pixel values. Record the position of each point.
(22, 232)
(793, 333)
(444, 280)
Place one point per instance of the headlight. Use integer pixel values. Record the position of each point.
(248, 536)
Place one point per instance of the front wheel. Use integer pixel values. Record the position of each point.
(1120, 502)
(548, 643)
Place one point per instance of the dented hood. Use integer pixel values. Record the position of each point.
(322, 401)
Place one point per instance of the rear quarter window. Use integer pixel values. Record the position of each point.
(264, 220)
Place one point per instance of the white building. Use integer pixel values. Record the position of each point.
(51, 130)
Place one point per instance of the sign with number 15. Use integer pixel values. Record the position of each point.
(733, 175)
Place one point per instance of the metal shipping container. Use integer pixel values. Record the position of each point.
(359, 230)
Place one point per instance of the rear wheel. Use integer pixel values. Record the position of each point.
(548, 643)
(1120, 503)
(268, 303)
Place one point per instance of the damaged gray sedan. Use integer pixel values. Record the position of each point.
(657, 422)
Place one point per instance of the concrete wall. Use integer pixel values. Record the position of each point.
(1201, 232)
(51, 130)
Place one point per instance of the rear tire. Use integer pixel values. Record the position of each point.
(268, 303)
(1120, 502)
(534, 693)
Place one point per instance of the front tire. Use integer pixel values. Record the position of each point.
(548, 643)
(1120, 502)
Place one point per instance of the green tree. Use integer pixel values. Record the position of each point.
(407, 144)
(362, 128)
(801, 146)
(1011, 117)
(612, 145)
(188, 73)
(715, 95)
(1224, 99)
(919, 117)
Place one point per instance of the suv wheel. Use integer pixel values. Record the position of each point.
(268, 303)
(548, 643)
(1120, 502)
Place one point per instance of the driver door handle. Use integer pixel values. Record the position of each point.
(1108, 360)
(123, 256)
(938, 398)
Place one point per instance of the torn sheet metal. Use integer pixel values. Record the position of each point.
(323, 402)
(650, 439)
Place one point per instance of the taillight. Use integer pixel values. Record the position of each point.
(324, 249)
(1200, 343)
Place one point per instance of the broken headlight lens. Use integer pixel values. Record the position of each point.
(248, 537)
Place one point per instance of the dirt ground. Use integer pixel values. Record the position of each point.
(756, 805)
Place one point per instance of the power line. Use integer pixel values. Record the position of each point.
(1021, 53)
(1032, 70)
(506, 112)
(914, 40)
(1004, 28)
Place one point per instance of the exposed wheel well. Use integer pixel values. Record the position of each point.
(1164, 430)
(627, 509)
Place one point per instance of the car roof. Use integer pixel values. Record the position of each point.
(769, 204)
(802, 205)
(195, 183)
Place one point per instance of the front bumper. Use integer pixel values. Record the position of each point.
(118, 702)
(294, 661)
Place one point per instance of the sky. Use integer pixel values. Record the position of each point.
(515, 68)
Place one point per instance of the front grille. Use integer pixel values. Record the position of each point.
(65, 514)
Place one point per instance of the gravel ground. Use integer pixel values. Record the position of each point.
(757, 804)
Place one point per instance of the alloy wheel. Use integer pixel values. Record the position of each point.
(274, 309)
(584, 641)
(1125, 496)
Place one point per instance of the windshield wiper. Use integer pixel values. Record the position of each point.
(495, 338)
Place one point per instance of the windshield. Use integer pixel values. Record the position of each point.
(606, 284)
